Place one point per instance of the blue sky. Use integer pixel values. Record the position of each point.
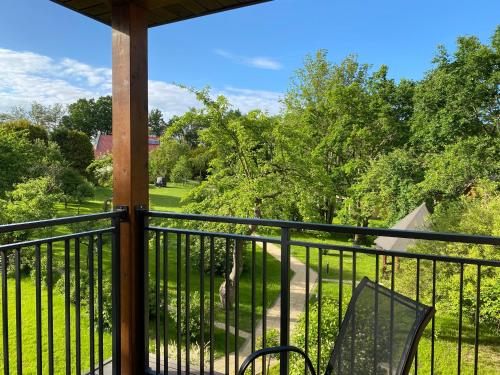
(50, 54)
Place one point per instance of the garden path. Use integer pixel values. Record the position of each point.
(297, 305)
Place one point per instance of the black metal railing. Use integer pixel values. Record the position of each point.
(217, 291)
(79, 256)
(193, 243)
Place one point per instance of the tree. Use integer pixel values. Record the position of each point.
(33, 132)
(156, 123)
(15, 158)
(476, 213)
(101, 171)
(452, 173)
(32, 200)
(163, 159)
(181, 171)
(459, 97)
(243, 179)
(46, 116)
(74, 187)
(188, 127)
(337, 119)
(90, 116)
(75, 147)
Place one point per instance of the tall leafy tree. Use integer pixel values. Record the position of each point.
(156, 123)
(459, 97)
(338, 118)
(243, 180)
(75, 147)
(90, 116)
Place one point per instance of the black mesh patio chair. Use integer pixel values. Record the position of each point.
(378, 336)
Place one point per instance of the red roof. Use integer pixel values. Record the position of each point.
(104, 144)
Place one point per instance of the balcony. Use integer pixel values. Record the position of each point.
(289, 284)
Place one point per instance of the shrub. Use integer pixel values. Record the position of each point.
(194, 314)
(329, 331)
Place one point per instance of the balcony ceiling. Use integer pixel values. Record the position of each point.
(160, 12)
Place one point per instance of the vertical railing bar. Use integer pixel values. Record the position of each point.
(417, 287)
(100, 305)
(212, 304)
(306, 342)
(391, 326)
(226, 303)
(353, 319)
(78, 345)
(90, 257)
(375, 330)
(38, 310)
(460, 304)
(19, 335)
(115, 291)
(285, 299)
(178, 298)
(341, 284)
(264, 303)
(433, 324)
(157, 300)
(165, 301)
(187, 311)
(50, 310)
(477, 320)
(237, 311)
(202, 304)
(5, 315)
(320, 292)
(67, 304)
(253, 297)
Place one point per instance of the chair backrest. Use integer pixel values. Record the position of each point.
(379, 333)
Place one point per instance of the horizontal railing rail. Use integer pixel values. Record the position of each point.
(186, 256)
(75, 292)
(330, 228)
(43, 224)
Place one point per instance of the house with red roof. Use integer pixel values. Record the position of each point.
(103, 144)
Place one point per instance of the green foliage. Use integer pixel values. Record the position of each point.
(156, 123)
(74, 187)
(163, 159)
(15, 158)
(459, 97)
(46, 116)
(101, 171)
(181, 172)
(90, 116)
(477, 213)
(329, 332)
(26, 128)
(75, 147)
(194, 314)
(338, 118)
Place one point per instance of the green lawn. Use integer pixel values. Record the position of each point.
(28, 309)
(170, 199)
(162, 199)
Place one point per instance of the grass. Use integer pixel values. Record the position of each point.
(162, 199)
(170, 199)
(29, 332)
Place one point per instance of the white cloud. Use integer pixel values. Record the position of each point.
(27, 77)
(255, 62)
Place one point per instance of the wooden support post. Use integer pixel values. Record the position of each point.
(130, 172)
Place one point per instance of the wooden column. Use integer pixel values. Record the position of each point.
(130, 172)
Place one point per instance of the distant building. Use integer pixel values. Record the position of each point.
(415, 220)
(103, 144)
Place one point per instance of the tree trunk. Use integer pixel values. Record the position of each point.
(361, 238)
(237, 267)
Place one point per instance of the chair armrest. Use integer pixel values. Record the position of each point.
(275, 350)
